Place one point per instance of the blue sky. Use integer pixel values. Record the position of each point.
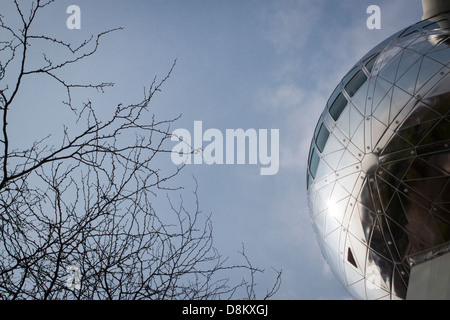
(240, 64)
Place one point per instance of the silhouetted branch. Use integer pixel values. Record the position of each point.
(90, 201)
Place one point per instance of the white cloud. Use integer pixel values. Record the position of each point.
(296, 111)
(291, 22)
(299, 126)
(285, 96)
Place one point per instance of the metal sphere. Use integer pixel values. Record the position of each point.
(379, 163)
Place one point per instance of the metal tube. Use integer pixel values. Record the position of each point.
(432, 8)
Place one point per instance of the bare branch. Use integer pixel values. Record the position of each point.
(92, 200)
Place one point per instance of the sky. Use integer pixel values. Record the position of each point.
(249, 64)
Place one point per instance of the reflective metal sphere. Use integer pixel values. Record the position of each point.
(379, 162)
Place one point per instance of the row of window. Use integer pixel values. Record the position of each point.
(425, 25)
(351, 83)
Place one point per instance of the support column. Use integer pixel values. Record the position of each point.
(432, 8)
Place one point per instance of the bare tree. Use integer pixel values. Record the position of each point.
(85, 204)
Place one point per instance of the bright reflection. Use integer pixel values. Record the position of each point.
(333, 209)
